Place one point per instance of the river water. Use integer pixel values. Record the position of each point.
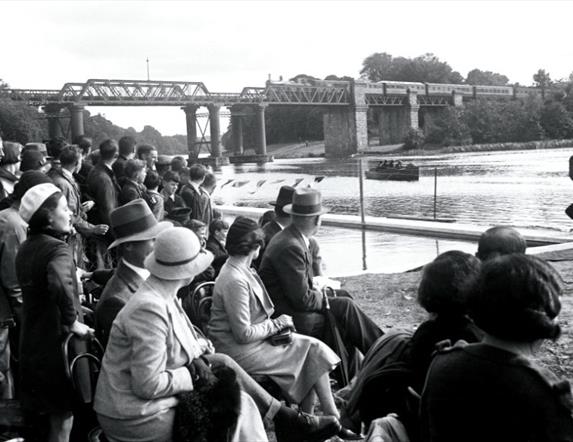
(528, 189)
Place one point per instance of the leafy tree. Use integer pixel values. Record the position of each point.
(556, 121)
(447, 128)
(377, 67)
(542, 80)
(337, 78)
(20, 122)
(486, 78)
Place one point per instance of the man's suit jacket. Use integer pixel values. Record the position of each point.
(199, 202)
(118, 290)
(143, 368)
(103, 188)
(286, 270)
(130, 191)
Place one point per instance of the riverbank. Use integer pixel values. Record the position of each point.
(390, 299)
(316, 149)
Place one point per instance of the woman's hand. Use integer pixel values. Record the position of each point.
(284, 321)
(201, 371)
(82, 330)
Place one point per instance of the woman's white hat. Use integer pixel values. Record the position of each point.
(177, 254)
(34, 198)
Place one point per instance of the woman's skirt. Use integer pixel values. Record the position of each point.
(294, 367)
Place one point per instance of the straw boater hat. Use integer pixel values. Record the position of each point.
(177, 254)
(34, 198)
(134, 221)
(305, 202)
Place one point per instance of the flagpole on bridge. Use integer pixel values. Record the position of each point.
(147, 61)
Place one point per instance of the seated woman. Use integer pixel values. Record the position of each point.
(493, 390)
(154, 353)
(240, 326)
(443, 292)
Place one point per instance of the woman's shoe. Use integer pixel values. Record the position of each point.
(347, 434)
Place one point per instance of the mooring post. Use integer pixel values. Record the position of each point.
(435, 189)
(361, 184)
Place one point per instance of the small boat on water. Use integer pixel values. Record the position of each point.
(394, 171)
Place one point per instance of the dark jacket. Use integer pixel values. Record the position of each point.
(118, 168)
(47, 276)
(130, 191)
(170, 204)
(118, 290)
(219, 252)
(199, 202)
(477, 392)
(103, 188)
(286, 270)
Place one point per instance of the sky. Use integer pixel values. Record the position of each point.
(232, 44)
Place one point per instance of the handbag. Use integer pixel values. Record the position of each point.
(281, 338)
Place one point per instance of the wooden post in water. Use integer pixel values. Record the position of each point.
(362, 218)
(435, 189)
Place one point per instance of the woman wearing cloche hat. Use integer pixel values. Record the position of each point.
(47, 274)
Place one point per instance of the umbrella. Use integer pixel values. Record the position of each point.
(336, 338)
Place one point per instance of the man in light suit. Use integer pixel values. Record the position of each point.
(287, 272)
(135, 228)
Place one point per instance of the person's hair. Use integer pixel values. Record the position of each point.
(70, 156)
(178, 163)
(516, 298)
(184, 174)
(127, 145)
(244, 236)
(217, 225)
(133, 167)
(152, 180)
(107, 150)
(267, 217)
(210, 179)
(500, 240)
(195, 225)
(56, 146)
(144, 150)
(197, 172)
(171, 176)
(40, 220)
(84, 143)
(447, 282)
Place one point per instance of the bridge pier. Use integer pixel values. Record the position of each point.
(76, 120)
(394, 122)
(54, 117)
(214, 123)
(191, 120)
(261, 147)
(237, 130)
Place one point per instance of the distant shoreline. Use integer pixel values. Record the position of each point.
(315, 149)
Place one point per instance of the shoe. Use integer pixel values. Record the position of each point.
(317, 428)
(348, 434)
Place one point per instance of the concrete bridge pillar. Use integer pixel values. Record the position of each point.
(394, 122)
(345, 128)
(53, 114)
(76, 120)
(191, 120)
(215, 126)
(237, 130)
(457, 99)
(261, 147)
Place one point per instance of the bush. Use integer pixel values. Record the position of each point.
(414, 139)
(447, 128)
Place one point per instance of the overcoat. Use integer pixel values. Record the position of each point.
(47, 276)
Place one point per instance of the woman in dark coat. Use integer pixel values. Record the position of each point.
(51, 308)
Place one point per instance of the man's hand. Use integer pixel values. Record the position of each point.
(87, 206)
(100, 229)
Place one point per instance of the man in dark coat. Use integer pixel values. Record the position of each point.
(216, 243)
(194, 196)
(135, 228)
(287, 272)
(103, 188)
(126, 152)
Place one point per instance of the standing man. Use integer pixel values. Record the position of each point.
(103, 187)
(135, 228)
(171, 200)
(195, 197)
(126, 152)
(148, 153)
(287, 272)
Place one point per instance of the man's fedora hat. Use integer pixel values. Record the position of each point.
(284, 197)
(305, 202)
(177, 254)
(134, 221)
